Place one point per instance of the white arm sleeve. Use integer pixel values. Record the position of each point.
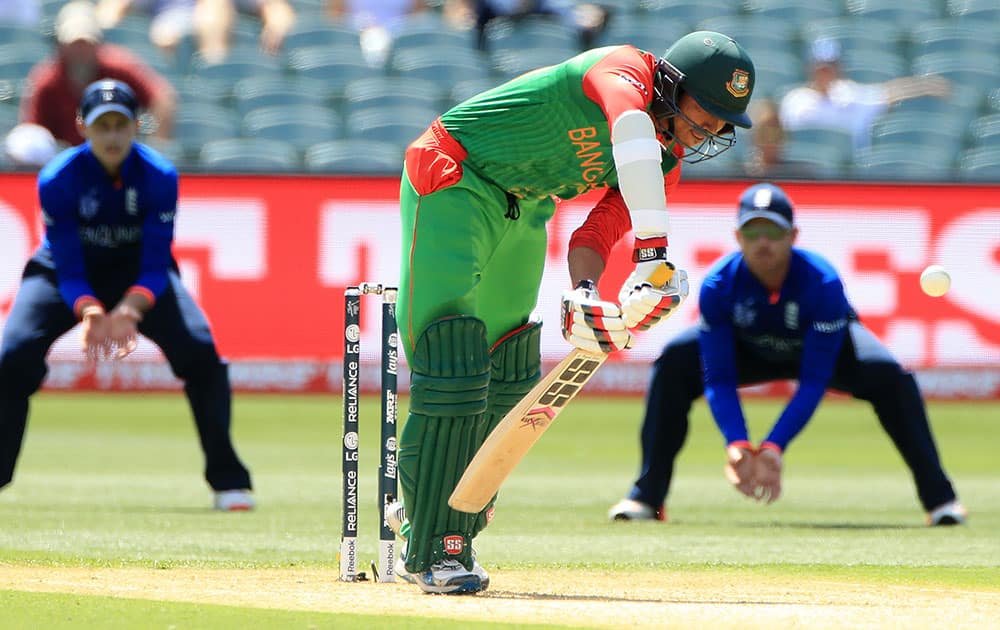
(640, 177)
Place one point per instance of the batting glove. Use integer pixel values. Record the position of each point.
(592, 324)
(643, 303)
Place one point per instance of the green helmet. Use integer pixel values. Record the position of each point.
(715, 70)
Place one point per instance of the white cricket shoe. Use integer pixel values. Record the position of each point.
(446, 576)
(449, 577)
(632, 510)
(234, 501)
(950, 513)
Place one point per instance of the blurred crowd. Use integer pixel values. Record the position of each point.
(837, 99)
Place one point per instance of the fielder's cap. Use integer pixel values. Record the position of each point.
(77, 21)
(765, 201)
(825, 51)
(107, 95)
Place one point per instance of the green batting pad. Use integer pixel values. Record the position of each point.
(450, 368)
(448, 395)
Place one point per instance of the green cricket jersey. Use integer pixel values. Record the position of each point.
(544, 133)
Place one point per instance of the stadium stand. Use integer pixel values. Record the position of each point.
(503, 34)
(299, 125)
(644, 34)
(468, 88)
(796, 11)
(394, 124)
(194, 89)
(16, 60)
(308, 33)
(240, 63)
(979, 165)
(978, 11)
(942, 134)
(382, 91)
(18, 34)
(898, 162)
(420, 33)
(953, 36)
(354, 157)
(815, 161)
(446, 72)
(873, 65)
(249, 155)
(854, 33)
(322, 77)
(963, 68)
(8, 118)
(335, 67)
(686, 11)
(510, 63)
(906, 13)
(198, 123)
(985, 132)
(838, 143)
(256, 92)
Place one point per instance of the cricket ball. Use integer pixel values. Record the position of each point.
(935, 281)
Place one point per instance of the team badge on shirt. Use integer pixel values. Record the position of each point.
(89, 205)
(744, 314)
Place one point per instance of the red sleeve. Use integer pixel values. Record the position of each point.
(609, 220)
(119, 63)
(620, 82)
(606, 223)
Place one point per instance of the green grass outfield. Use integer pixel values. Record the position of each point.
(113, 482)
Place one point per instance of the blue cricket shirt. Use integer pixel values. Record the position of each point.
(804, 324)
(96, 226)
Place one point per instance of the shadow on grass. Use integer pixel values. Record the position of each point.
(168, 509)
(843, 526)
(803, 525)
(110, 510)
(512, 595)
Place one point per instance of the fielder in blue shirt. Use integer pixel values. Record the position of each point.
(772, 311)
(108, 206)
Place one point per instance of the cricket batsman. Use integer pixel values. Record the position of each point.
(477, 190)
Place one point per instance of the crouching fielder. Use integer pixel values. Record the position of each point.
(770, 312)
(478, 188)
(108, 207)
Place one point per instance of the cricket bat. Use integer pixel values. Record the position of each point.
(518, 431)
(510, 441)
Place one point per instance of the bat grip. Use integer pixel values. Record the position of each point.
(662, 274)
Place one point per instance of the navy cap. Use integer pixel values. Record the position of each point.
(765, 201)
(107, 95)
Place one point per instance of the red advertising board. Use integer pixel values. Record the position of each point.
(269, 257)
